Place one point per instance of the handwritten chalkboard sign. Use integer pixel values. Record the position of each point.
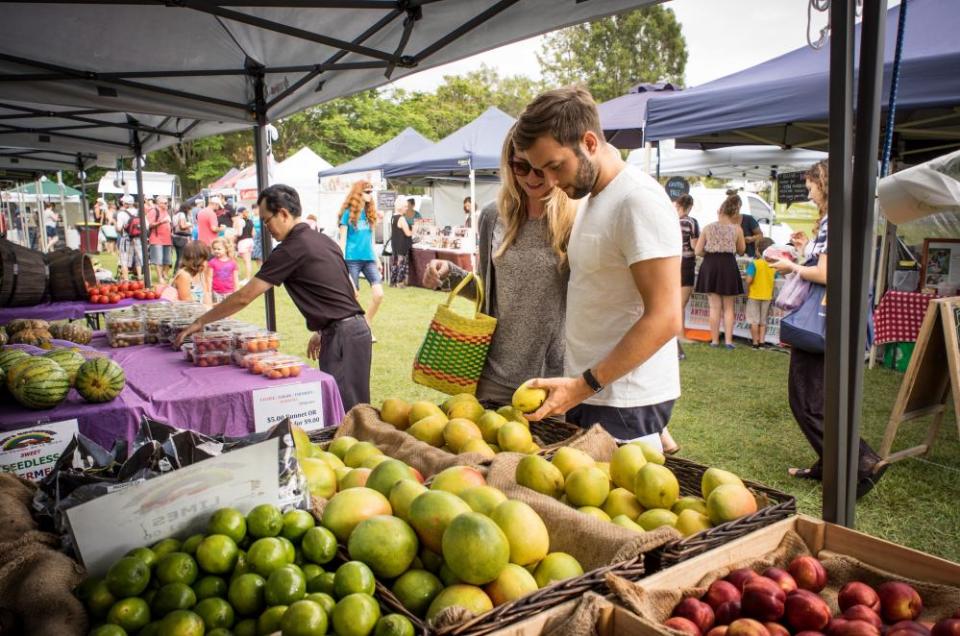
(932, 375)
(792, 187)
(677, 186)
(386, 199)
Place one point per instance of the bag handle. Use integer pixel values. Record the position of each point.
(463, 283)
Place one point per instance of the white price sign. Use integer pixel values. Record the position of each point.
(31, 452)
(178, 503)
(302, 403)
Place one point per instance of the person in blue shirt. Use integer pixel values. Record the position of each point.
(357, 223)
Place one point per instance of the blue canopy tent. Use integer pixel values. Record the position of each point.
(622, 118)
(405, 144)
(469, 152)
(784, 101)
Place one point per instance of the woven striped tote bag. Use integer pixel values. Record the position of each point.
(454, 350)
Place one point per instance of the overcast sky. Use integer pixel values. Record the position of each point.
(723, 36)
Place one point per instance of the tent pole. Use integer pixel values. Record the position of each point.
(260, 145)
(887, 262)
(473, 216)
(850, 247)
(41, 229)
(142, 212)
(82, 174)
(63, 205)
(24, 219)
(658, 161)
(838, 501)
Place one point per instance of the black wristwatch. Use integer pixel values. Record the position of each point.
(591, 381)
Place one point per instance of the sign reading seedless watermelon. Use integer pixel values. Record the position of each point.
(31, 452)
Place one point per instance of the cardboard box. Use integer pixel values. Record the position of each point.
(819, 536)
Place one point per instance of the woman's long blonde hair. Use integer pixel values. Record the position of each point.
(355, 204)
(819, 173)
(559, 209)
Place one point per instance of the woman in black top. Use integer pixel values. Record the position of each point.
(401, 240)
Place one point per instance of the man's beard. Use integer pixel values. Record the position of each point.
(586, 178)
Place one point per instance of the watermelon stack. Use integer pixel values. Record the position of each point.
(100, 380)
(38, 383)
(69, 359)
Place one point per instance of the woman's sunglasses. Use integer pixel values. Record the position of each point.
(522, 168)
(368, 191)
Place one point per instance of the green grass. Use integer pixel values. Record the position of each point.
(733, 414)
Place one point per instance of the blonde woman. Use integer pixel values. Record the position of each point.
(357, 223)
(523, 266)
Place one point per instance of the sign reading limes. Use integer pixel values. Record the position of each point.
(177, 504)
(31, 453)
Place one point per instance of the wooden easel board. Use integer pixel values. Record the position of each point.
(933, 373)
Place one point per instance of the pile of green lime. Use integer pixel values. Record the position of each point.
(247, 575)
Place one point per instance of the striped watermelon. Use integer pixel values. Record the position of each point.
(69, 359)
(38, 383)
(100, 380)
(11, 355)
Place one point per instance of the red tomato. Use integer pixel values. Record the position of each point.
(139, 284)
(104, 300)
(124, 286)
(94, 298)
(138, 295)
(150, 295)
(115, 298)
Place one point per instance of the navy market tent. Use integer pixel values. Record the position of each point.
(475, 147)
(403, 145)
(622, 118)
(784, 101)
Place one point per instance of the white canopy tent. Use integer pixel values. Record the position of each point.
(735, 162)
(154, 184)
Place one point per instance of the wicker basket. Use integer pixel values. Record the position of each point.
(544, 599)
(772, 505)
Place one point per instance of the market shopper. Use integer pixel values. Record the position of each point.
(128, 244)
(752, 234)
(191, 282)
(208, 227)
(358, 219)
(311, 267)
(523, 267)
(806, 375)
(161, 239)
(401, 242)
(689, 233)
(50, 221)
(719, 278)
(182, 229)
(623, 298)
(224, 276)
(245, 243)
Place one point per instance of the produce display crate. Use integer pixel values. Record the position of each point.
(772, 506)
(822, 539)
(544, 599)
(551, 430)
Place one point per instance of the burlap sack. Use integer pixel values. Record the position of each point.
(36, 583)
(655, 606)
(15, 497)
(594, 543)
(584, 619)
(595, 442)
(363, 422)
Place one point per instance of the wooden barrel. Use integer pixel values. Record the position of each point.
(23, 276)
(70, 273)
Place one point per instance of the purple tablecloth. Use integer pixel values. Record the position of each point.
(65, 310)
(163, 385)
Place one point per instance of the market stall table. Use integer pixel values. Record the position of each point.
(66, 310)
(420, 257)
(163, 385)
(899, 315)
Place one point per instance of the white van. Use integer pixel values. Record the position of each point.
(707, 202)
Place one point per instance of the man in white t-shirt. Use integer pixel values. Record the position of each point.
(623, 299)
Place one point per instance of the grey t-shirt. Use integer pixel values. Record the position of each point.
(530, 299)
